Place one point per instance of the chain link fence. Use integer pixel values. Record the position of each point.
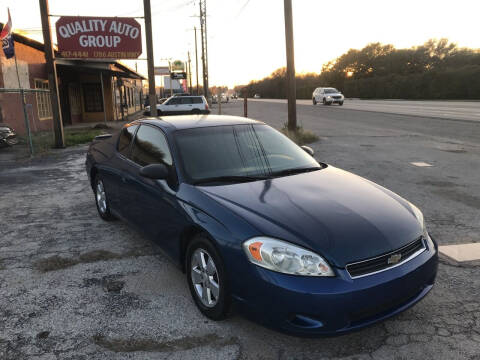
(28, 113)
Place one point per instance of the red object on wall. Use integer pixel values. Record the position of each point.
(81, 37)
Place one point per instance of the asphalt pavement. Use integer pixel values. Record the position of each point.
(75, 287)
(454, 109)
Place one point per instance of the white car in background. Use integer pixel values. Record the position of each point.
(181, 105)
(327, 96)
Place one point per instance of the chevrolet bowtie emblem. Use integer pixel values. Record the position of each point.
(393, 259)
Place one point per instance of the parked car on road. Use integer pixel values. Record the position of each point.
(180, 105)
(256, 96)
(254, 220)
(8, 137)
(327, 96)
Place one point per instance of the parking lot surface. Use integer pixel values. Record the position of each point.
(75, 287)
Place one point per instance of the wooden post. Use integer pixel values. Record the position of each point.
(52, 75)
(150, 61)
(291, 86)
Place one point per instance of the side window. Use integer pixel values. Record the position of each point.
(125, 139)
(185, 100)
(151, 147)
(174, 101)
(197, 100)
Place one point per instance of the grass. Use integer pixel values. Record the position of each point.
(300, 136)
(43, 141)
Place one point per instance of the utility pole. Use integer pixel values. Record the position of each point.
(196, 57)
(203, 30)
(190, 72)
(52, 75)
(291, 86)
(151, 73)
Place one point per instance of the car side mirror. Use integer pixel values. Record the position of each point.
(308, 150)
(155, 171)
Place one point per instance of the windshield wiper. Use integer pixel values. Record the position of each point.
(230, 179)
(295, 171)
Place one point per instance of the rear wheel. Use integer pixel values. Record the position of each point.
(195, 111)
(101, 200)
(207, 278)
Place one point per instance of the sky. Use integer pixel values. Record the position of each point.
(246, 38)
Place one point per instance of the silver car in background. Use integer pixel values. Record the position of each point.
(327, 96)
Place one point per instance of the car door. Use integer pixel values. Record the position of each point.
(151, 205)
(118, 163)
(170, 106)
(186, 104)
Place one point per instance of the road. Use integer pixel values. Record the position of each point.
(74, 286)
(459, 110)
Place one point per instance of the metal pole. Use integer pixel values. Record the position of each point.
(27, 125)
(190, 72)
(219, 96)
(151, 71)
(52, 75)
(196, 57)
(291, 86)
(206, 45)
(103, 100)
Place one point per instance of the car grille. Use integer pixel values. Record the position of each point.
(386, 261)
(336, 97)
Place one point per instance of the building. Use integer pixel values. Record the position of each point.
(81, 85)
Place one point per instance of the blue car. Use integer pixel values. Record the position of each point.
(256, 222)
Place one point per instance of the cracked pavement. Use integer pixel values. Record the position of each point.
(75, 287)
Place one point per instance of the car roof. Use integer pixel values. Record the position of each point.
(181, 122)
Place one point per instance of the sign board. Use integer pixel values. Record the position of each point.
(178, 65)
(178, 75)
(81, 37)
(161, 70)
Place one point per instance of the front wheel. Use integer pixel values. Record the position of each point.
(11, 141)
(101, 200)
(314, 101)
(324, 101)
(340, 103)
(207, 279)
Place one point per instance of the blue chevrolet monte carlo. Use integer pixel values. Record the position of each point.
(256, 222)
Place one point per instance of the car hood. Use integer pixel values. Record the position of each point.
(342, 216)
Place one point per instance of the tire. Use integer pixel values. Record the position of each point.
(101, 201)
(216, 303)
(340, 103)
(11, 141)
(196, 112)
(314, 101)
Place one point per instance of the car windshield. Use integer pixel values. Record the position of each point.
(331, 91)
(239, 152)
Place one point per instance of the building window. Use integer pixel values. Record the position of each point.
(92, 95)
(44, 106)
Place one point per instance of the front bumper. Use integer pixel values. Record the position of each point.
(312, 306)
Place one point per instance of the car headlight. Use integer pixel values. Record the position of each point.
(421, 220)
(286, 258)
(329, 97)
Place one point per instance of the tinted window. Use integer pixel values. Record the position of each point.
(185, 100)
(150, 147)
(125, 138)
(173, 101)
(238, 150)
(331, 91)
(197, 100)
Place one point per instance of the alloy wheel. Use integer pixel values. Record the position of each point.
(205, 277)
(101, 197)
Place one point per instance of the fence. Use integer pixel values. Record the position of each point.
(28, 112)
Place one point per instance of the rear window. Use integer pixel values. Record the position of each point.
(197, 100)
